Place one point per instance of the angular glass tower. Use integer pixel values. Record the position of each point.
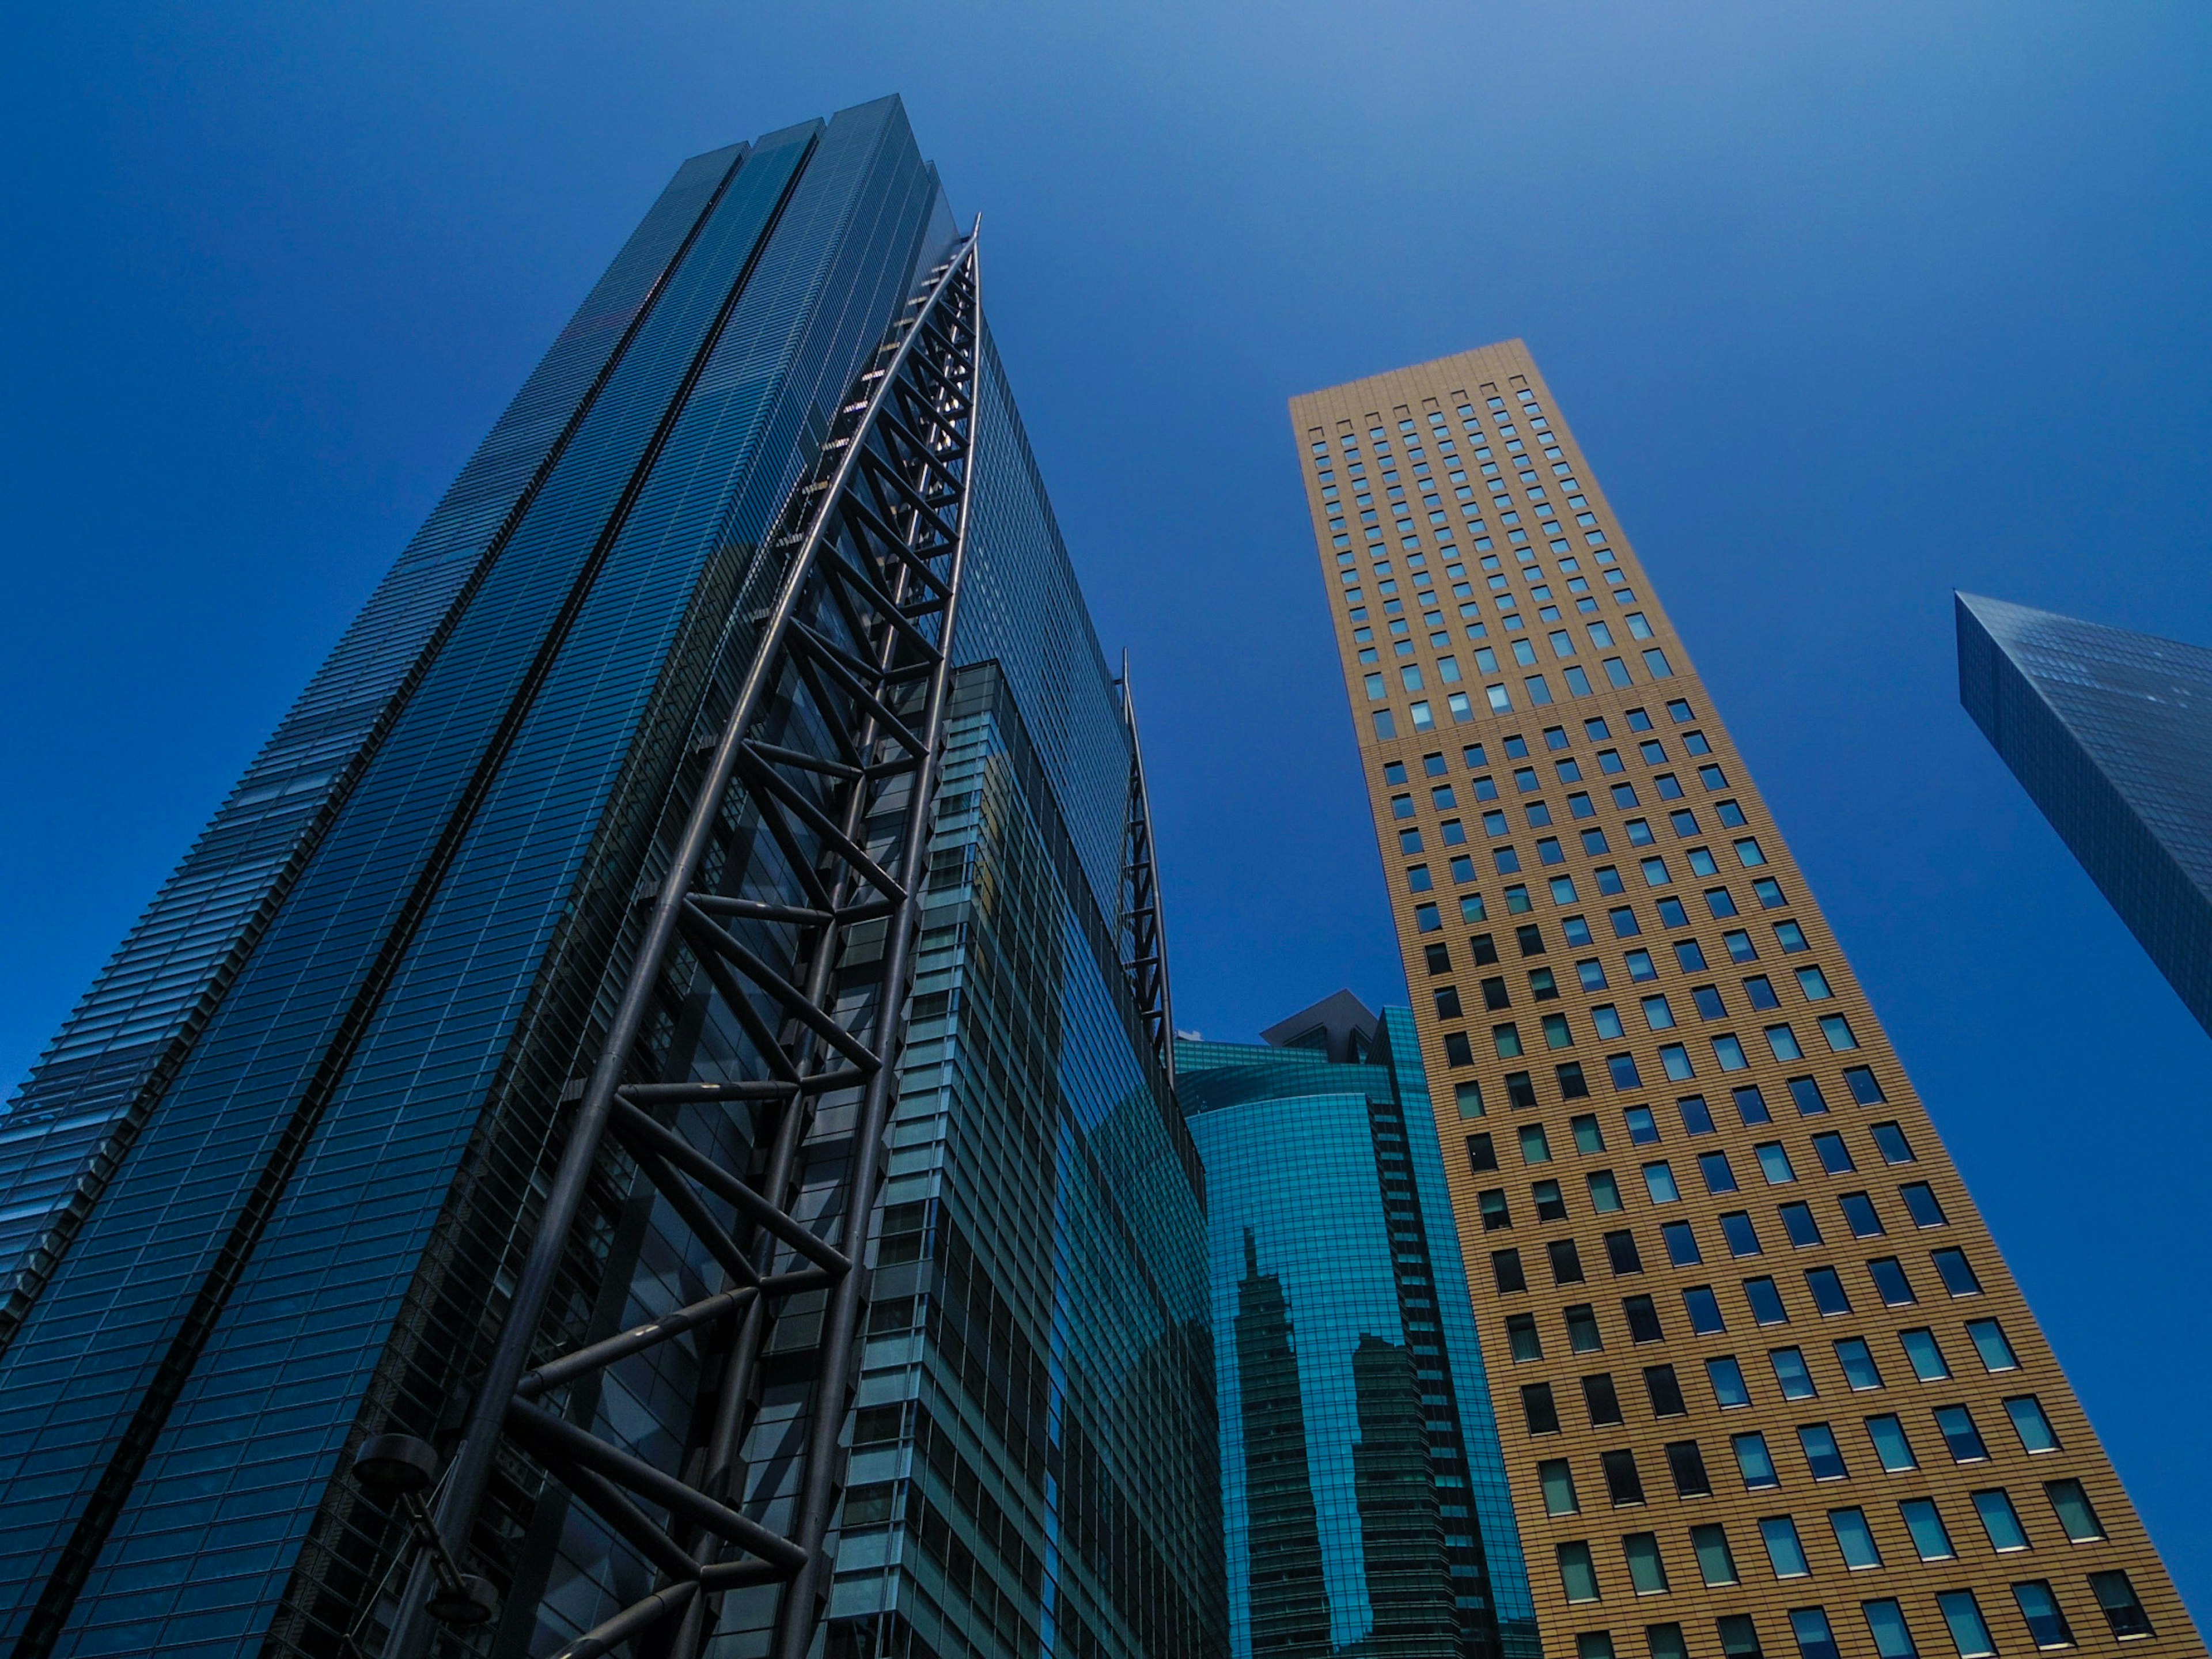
(491, 1203)
(1762, 1379)
(2111, 734)
(1365, 1498)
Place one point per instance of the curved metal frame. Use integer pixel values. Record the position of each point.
(876, 539)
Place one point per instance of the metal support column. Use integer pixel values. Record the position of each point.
(832, 749)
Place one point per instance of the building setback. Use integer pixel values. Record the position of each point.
(1763, 1380)
(2111, 734)
(1365, 1504)
(514, 1083)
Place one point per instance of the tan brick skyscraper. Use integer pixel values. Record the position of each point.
(1763, 1380)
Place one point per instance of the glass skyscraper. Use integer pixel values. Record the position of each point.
(446, 1225)
(2111, 734)
(1365, 1503)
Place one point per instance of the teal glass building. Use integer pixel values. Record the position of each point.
(2111, 734)
(1365, 1499)
(270, 1190)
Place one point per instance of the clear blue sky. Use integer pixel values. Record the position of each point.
(1850, 305)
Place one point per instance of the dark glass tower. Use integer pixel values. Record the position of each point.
(664, 994)
(1365, 1498)
(2111, 734)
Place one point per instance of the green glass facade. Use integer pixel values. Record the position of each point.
(1364, 1503)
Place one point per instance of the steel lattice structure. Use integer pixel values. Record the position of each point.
(830, 753)
(1144, 939)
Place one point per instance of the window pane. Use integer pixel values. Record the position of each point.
(2038, 1609)
(2031, 1425)
(1557, 1479)
(1784, 1552)
(1854, 1538)
(1892, 1637)
(1753, 1462)
(1964, 1616)
(2116, 1596)
(1989, 1339)
(1810, 1626)
(1715, 1561)
(1891, 1448)
(1999, 1520)
(2071, 1504)
(1929, 1536)
(1576, 1574)
(1646, 1572)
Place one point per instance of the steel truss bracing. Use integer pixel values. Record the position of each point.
(1143, 927)
(829, 756)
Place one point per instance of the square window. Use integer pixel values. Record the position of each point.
(1742, 1238)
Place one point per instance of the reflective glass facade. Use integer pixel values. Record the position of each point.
(1034, 1454)
(1365, 1499)
(268, 1189)
(2111, 734)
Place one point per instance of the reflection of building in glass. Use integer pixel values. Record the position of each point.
(1366, 1507)
(2111, 734)
(1289, 1609)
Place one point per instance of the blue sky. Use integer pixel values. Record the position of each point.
(1848, 305)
